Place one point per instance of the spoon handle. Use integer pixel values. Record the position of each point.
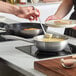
(39, 21)
(42, 26)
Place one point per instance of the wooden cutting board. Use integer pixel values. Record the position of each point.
(53, 67)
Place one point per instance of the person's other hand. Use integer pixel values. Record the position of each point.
(28, 13)
(52, 17)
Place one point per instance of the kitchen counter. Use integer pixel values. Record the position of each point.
(18, 60)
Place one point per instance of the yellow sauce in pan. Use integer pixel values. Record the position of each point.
(51, 39)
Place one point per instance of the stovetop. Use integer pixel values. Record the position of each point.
(33, 51)
(40, 54)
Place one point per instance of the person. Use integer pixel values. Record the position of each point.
(23, 12)
(63, 10)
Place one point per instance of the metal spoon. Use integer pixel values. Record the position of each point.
(46, 35)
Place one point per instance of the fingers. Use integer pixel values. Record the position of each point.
(29, 13)
(38, 12)
(49, 18)
(52, 17)
(33, 14)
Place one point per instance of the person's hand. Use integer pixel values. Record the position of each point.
(52, 17)
(28, 13)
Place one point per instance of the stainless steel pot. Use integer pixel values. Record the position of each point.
(51, 46)
(18, 29)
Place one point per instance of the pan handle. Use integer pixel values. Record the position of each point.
(28, 40)
(31, 40)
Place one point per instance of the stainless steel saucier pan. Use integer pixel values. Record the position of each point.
(53, 46)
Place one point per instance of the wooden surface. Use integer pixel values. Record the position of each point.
(53, 67)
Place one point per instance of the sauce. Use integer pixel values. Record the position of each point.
(31, 29)
(51, 39)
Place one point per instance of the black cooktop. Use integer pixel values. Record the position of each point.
(33, 51)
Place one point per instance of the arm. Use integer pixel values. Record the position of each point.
(62, 11)
(22, 12)
(64, 8)
(8, 8)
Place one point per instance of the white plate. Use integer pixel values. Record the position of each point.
(69, 24)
